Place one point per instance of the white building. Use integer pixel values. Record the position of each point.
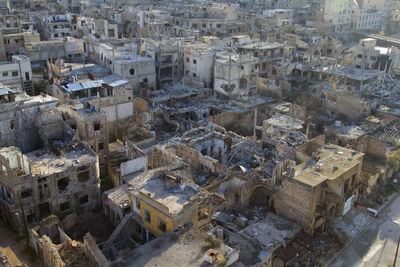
(139, 70)
(366, 18)
(337, 15)
(199, 63)
(17, 73)
(235, 74)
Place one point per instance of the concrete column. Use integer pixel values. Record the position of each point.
(147, 236)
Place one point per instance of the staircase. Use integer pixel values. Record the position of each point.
(28, 87)
(118, 230)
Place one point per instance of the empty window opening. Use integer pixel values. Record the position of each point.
(83, 177)
(147, 217)
(83, 199)
(26, 193)
(64, 206)
(138, 228)
(97, 126)
(31, 218)
(62, 184)
(161, 225)
(346, 185)
(44, 209)
(101, 146)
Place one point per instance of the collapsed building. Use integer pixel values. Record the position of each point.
(46, 168)
(224, 134)
(235, 74)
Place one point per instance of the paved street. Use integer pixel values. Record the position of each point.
(376, 245)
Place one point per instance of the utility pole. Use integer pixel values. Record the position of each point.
(395, 255)
(255, 125)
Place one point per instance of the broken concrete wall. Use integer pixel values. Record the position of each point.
(373, 148)
(93, 253)
(232, 192)
(269, 87)
(312, 146)
(238, 122)
(138, 162)
(91, 124)
(19, 122)
(114, 112)
(346, 104)
(51, 257)
(43, 191)
(368, 180)
(160, 157)
(195, 159)
(224, 119)
(297, 112)
(49, 226)
(134, 165)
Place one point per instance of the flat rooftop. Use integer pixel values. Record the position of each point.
(133, 58)
(176, 91)
(349, 72)
(114, 80)
(83, 85)
(119, 195)
(262, 45)
(282, 107)
(185, 250)
(45, 161)
(270, 232)
(284, 122)
(23, 100)
(78, 68)
(333, 161)
(174, 198)
(250, 101)
(225, 57)
(349, 131)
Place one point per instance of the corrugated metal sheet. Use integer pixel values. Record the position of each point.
(4, 91)
(83, 85)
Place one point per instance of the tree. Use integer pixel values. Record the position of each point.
(39, 87)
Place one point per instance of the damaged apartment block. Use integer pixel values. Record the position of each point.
(53, 173)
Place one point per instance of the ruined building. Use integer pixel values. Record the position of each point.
(46, 169)
(322, 187)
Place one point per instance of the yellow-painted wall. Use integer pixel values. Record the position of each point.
(154, 213)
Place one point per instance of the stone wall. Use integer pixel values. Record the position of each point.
(51, 257)
(372, 147)
(93, 253)
(311, 146)
(294, 202)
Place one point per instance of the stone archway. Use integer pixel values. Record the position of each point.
(261, 196)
